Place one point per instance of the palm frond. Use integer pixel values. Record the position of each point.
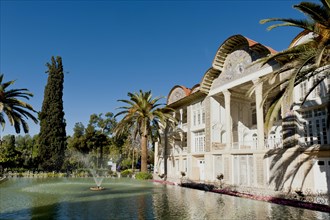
(14, 108)
(315, 11)
(316, 83)
(301, 23)
(273, 111)
(326, 5)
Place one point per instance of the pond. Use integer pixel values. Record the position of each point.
(71, 198)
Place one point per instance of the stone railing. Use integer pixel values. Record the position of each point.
(274, 143)
(245, 145)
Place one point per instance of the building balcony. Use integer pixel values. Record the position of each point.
(198, 149)
(184, 127)
(274, 143)
(176, 151)
(245, 145)
(269, 143)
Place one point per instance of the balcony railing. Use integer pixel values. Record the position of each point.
(274, 143)
(184, 127)
(199, 149)
(269, 143)
(177, 150)
(245, 145)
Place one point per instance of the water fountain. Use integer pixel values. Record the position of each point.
(97, 173)
(98, 178)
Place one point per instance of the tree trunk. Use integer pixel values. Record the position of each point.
(133, 160)
(101, 156)
(144, 154)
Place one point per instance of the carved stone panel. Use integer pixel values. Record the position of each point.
(176, 94)
(218, 146)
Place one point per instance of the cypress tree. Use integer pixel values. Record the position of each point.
(52, 137)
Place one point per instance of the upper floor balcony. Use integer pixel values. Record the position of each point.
(249, 140)
(270, 143)
(176, 151)
(183, 126)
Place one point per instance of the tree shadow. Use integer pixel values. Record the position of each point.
(284, 166)
(290, 165)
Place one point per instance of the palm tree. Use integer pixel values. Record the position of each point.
(306, 60)
(16, 110)
(141, 116)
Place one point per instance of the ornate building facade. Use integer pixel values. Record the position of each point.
(221, 127)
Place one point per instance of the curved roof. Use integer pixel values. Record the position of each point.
(224, 50)
(186, 92)
(228, 46)
(231, 44)
(208, 78)
(195, 88)
(301, 37)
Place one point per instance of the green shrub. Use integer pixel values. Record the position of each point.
(143, 176)
(126, 164)
(126, 173)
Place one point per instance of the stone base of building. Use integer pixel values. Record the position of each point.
(308, 200)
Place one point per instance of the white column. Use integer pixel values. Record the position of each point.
(260, 114)
(229, 132)
(156, 168)
(181, 113)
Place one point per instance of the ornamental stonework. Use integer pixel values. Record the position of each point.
(176, 94)
(238, 63)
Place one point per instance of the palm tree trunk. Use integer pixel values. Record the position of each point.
(144, 154)
(133, 160)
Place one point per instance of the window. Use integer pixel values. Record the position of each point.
(217, 164)
(185, 165)
(255, 140)
(317, 90)
(199, 117)
(184, 116)
(303, 90)
(177, 165)
(203, 116)
(195, 118)
(199, 141)
(315, 126)
(254, 113)
(243, 170)
(184, 140)
(198, 113)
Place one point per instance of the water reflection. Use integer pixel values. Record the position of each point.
(129, 199)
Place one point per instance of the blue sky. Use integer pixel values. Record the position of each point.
(110, 48)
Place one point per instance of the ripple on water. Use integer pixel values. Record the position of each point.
(58, 188)
(128, 199)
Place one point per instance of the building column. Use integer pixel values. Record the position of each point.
(181, 114)
(229, 126)
(260, 114)
(156, 168)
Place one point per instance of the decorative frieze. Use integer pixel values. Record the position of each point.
(218, 146)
